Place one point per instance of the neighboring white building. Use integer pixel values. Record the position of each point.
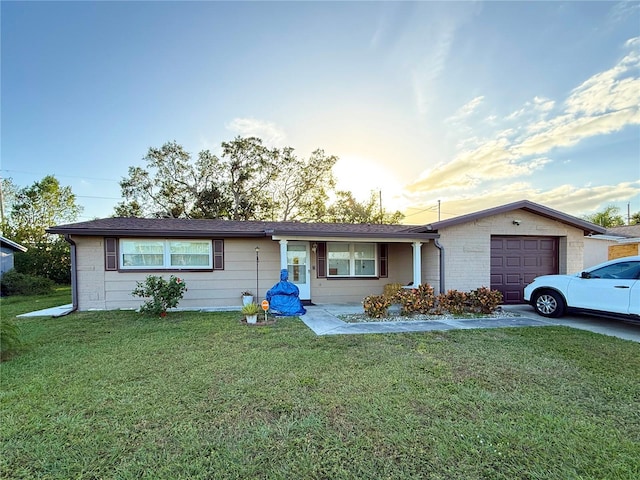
(615, 243)
(7, 249)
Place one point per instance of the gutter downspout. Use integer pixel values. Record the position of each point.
(74, 274)
(441, 248)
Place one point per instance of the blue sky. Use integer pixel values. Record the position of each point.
(473, 104)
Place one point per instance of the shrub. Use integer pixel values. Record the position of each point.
(163, 294)
(391, 290)
(416, 300)
(9, 338)
(376, 306)
(485, 300)
(15, 283)
(453, 301)
(46, 259)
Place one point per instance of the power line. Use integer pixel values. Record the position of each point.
(61, 176)
(435, 207)
(99, 198)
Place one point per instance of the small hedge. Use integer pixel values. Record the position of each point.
(422, 300)
(14, 283)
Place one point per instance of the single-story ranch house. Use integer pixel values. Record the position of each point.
(503, 248)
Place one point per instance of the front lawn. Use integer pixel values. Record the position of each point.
(199, 395)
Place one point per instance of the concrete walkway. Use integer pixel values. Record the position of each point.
(50, 312)
(323, 320)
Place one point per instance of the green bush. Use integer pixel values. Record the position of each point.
(376, 306)
(15, 283)
(46, 259)
(9, 338)
(251, 309)
(163, 294)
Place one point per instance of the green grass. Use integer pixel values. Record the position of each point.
(198, 395)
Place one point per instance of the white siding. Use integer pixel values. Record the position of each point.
(6, 260)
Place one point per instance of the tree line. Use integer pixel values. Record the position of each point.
(249, 181)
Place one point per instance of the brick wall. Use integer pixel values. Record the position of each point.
(468, 246)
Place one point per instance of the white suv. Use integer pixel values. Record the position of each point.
(611, 288)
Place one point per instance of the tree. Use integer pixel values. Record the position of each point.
(250, 169)
(609, 217)
(33, 209)
(170, 186)
(248, 182)
(302, 190)
(8, 192)
(346, 209)
(635, 219)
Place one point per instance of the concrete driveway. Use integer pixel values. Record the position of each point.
(614, 327)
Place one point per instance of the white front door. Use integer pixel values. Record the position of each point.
(298, 267)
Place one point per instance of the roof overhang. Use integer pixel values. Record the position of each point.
(153, 233)
(16, 247)
(410, 238)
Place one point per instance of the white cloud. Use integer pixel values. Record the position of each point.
(605, 103)
(270, 133)
(491, 160)
(570, 199)
(466, 110)
(573, 130)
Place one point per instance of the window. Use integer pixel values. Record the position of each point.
(621, 270)
(351, 259)
(165, 254)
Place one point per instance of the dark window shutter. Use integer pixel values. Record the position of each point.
(218, 254)
(110, 253)
(321, 260)
(383, 260)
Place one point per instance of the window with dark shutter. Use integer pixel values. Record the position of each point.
(383, 260)
(321, 260)
(111, 253)
(218, 254)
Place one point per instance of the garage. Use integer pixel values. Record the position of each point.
(517, 260)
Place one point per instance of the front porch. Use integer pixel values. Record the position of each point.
(340, 270)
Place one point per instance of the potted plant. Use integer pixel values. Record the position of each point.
(247, 297)
(250, 311)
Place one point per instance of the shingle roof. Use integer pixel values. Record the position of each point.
(628, 231)
(176, 227)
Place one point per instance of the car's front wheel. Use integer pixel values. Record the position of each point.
(549, 304)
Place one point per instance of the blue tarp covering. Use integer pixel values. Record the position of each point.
(284, 297)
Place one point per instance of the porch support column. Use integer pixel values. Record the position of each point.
(283, 254)
(417, 264)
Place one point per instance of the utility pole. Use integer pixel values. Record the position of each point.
(1, 208)
(380, 192)
(438, 210)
